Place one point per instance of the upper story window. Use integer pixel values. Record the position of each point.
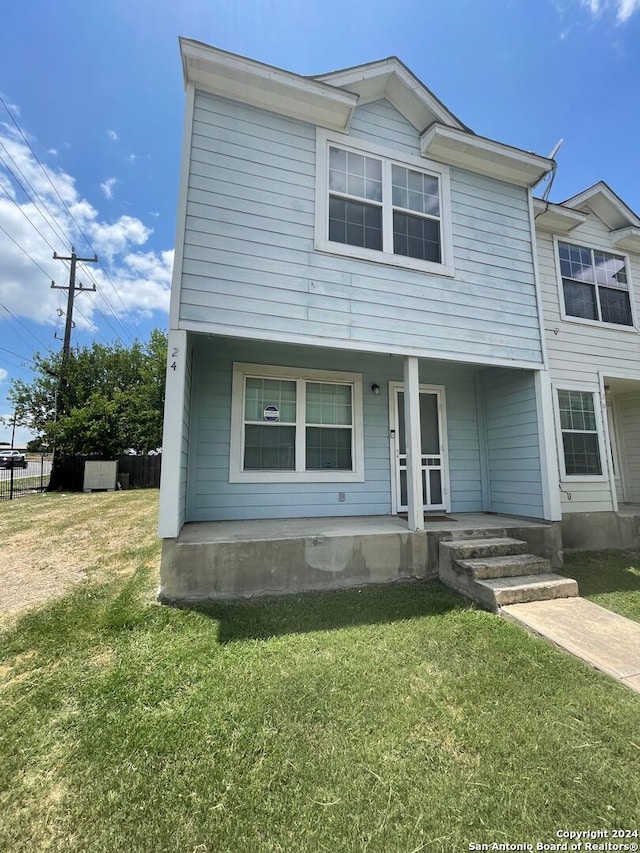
(595, 285)
(377, 207)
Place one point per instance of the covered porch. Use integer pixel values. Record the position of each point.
(218, 559)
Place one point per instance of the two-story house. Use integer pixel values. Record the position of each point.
(589, 261)
(356, 329)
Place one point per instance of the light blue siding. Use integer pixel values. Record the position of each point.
(250, 264)
(212, 497)
(381, 124)
(514, 468)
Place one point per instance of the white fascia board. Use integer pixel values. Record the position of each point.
(627, 239)
(485, 156)
(556, 218)
(240, 79)
(344, 344)
(390, 79)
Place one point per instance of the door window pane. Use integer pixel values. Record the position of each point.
(435, 483)
(430, 432)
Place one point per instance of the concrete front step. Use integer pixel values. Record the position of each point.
(499, 592)
(498, 572)
(505, 566)
(471, 549)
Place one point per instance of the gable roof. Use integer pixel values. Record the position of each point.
(608, 206)
(391, 79)
(329, 101)
(599, 200)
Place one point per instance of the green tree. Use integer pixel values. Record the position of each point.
(99, 400)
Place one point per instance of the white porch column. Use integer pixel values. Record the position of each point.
(172, 483)
(415, 500)
(547, 443)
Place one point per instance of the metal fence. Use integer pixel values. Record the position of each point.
(16, 482)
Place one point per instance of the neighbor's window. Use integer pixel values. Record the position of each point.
(579, 433)
(595, 285)
(296, 425)
(385, 209)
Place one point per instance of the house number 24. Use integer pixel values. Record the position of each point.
(174, 355)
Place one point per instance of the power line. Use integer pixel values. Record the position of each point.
(73, 219)
(17, 355)
(28, 218)
(24, 251)
(45, 173)
(35, 198)
(26, 328)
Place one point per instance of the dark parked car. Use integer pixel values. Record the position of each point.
(12, 459)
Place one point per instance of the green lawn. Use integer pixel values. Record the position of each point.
(608, 578)
(392, 718)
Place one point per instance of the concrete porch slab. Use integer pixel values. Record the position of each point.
(201, 532)
(603, 639)
(222, 559)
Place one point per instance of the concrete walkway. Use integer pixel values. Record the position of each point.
(605, 640)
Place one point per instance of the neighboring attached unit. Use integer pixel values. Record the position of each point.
(355, 330)
(589, 262)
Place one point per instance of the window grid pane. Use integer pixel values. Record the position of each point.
(355, 174)
(579, 433)
(416, 237)
(260, 393)
(328, 404)
(328, 449)
(355, 224)
(415, 191)
(583, 270)
(269, 447)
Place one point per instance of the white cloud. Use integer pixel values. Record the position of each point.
(623, 9)
(113, 136)
(141, 277)
(53, 152)
(626, 8)
(114, 238)
(3, 374)
(132, 158)
(107, 187)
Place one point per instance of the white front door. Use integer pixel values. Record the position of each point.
(433, 458)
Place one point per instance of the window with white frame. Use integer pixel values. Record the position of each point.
(580, 439)
(595, 285)
(378, 207)
(289, 425)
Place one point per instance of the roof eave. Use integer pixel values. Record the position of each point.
(240, 79)
(555, 218)
(485, 156)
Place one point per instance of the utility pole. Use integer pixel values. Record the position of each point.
(71, 289)
(71, 292)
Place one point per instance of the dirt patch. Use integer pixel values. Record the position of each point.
(49, 543)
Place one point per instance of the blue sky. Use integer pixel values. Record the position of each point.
(96, 89)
